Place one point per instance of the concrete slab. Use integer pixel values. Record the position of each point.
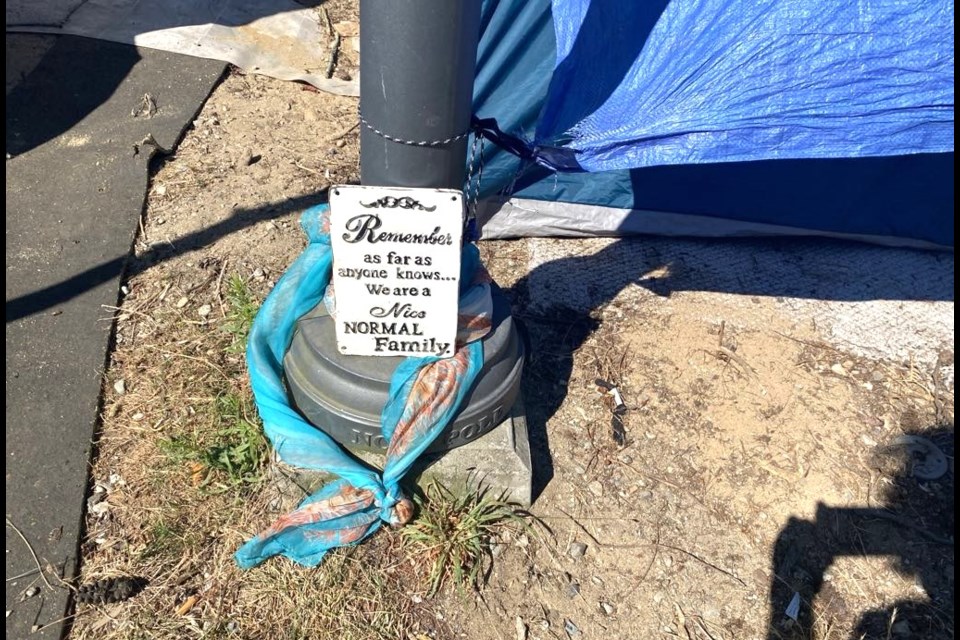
(499, 460)
(75, 191)
(877, 302)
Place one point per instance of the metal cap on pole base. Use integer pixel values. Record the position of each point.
(346, 394)
(417, 71)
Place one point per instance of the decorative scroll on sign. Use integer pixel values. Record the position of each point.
(396, 269)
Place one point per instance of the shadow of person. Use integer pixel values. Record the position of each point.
(559, 300)
(914, 526)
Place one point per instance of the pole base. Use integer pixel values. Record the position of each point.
(499, 461)
(344, 395)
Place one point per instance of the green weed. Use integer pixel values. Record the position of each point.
(455, 532)
(234, 451)
(243, 309)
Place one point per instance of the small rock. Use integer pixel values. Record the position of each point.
(137, 417)
(544, 624)
(101, 508)
(160, 190)
(657, 598)
(182, 302)
(868, 386)
(347, 28)
(204, 311)
(877, 376)
(838, 369)
(596, 488)
(32, 591)
(577, 550)
(258, 273)
(521, 629)
(573, 590)
(125, 290)
(867, 440)
(573, 631)
(608, 608)
(120, 386)
(8, 610)
(597, 580)
(667, 561)
(416, 599)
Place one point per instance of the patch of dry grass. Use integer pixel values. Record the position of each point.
(180, 471)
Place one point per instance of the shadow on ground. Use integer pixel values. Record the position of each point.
(913, 524)
(89, 71)
(49, 297)
(558, 299)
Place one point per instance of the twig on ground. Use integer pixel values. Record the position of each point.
(704, 562)
(22, 575)
(196, 359)
(59, 620)
(596, 541)
(703, 627)
(342, 133)
(326, 18)
(32, 553)
(223, 267)
(307, 169)
(723, 353)
(334, 54)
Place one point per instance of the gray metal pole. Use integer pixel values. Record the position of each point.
(417, 66)
(417, 69)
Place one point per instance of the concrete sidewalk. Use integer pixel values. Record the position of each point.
(75, 191)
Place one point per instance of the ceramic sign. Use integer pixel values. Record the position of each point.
(396, 269)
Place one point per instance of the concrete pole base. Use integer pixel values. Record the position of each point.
(499, 460)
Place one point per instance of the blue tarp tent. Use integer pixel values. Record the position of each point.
(715, 118)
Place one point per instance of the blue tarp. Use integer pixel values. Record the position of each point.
(835, 117)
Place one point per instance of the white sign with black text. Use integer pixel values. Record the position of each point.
(396, 269)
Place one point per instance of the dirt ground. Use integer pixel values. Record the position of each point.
(750, 443)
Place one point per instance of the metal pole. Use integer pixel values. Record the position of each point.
(416, 84)
(418, 60)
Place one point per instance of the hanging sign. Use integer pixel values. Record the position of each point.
(396, 269)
